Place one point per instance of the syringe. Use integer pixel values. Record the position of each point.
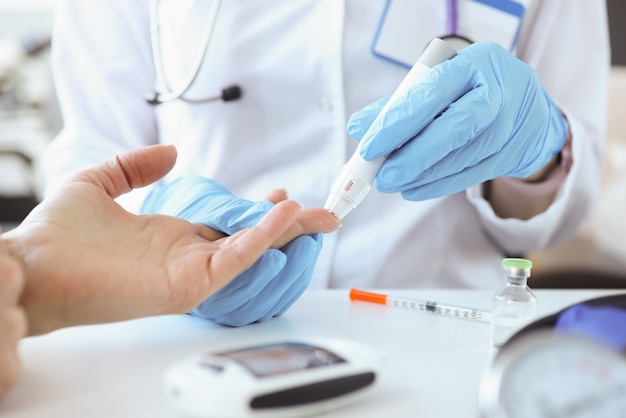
(357, 176)
(436, 308)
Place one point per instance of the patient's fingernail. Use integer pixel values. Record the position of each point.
(336, 217)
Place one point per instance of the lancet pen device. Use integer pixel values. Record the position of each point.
(357, 176)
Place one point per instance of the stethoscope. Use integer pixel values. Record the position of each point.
(169, 94)
(234, 92)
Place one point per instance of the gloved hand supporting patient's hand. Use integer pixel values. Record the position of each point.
(85, 260)
(273, 283)
(481, 115)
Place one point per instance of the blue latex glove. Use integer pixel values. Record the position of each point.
(481, 115)
(272, 284)
(604, 324)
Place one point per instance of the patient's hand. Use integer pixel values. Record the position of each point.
(309, 221)
(87, 260)
(12, 318)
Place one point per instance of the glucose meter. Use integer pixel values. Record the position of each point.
(276, 379)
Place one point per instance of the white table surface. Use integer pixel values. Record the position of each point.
(432, 367)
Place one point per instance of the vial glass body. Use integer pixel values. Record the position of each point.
(514, 305)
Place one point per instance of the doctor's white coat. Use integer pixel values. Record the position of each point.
(305, 66)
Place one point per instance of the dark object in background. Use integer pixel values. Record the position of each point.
(577, 279)
(617, 30)
(15, 207)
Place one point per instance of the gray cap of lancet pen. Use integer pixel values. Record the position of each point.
(436, 52)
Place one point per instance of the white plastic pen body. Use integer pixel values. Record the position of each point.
(357, 176)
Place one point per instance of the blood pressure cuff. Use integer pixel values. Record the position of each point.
(605, 324)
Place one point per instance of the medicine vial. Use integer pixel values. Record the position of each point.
(514, 304)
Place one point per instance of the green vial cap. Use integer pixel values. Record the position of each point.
(517, 263)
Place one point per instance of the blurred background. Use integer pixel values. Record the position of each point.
(29, 115)
(29, 119)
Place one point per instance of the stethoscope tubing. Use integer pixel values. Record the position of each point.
(155, 36)
(170, 93)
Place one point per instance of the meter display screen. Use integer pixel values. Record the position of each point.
(282, 358)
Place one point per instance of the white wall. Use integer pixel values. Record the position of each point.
(601, 243)
(29, 115)
(19, 17)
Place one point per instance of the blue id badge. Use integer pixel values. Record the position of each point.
(407, 26)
